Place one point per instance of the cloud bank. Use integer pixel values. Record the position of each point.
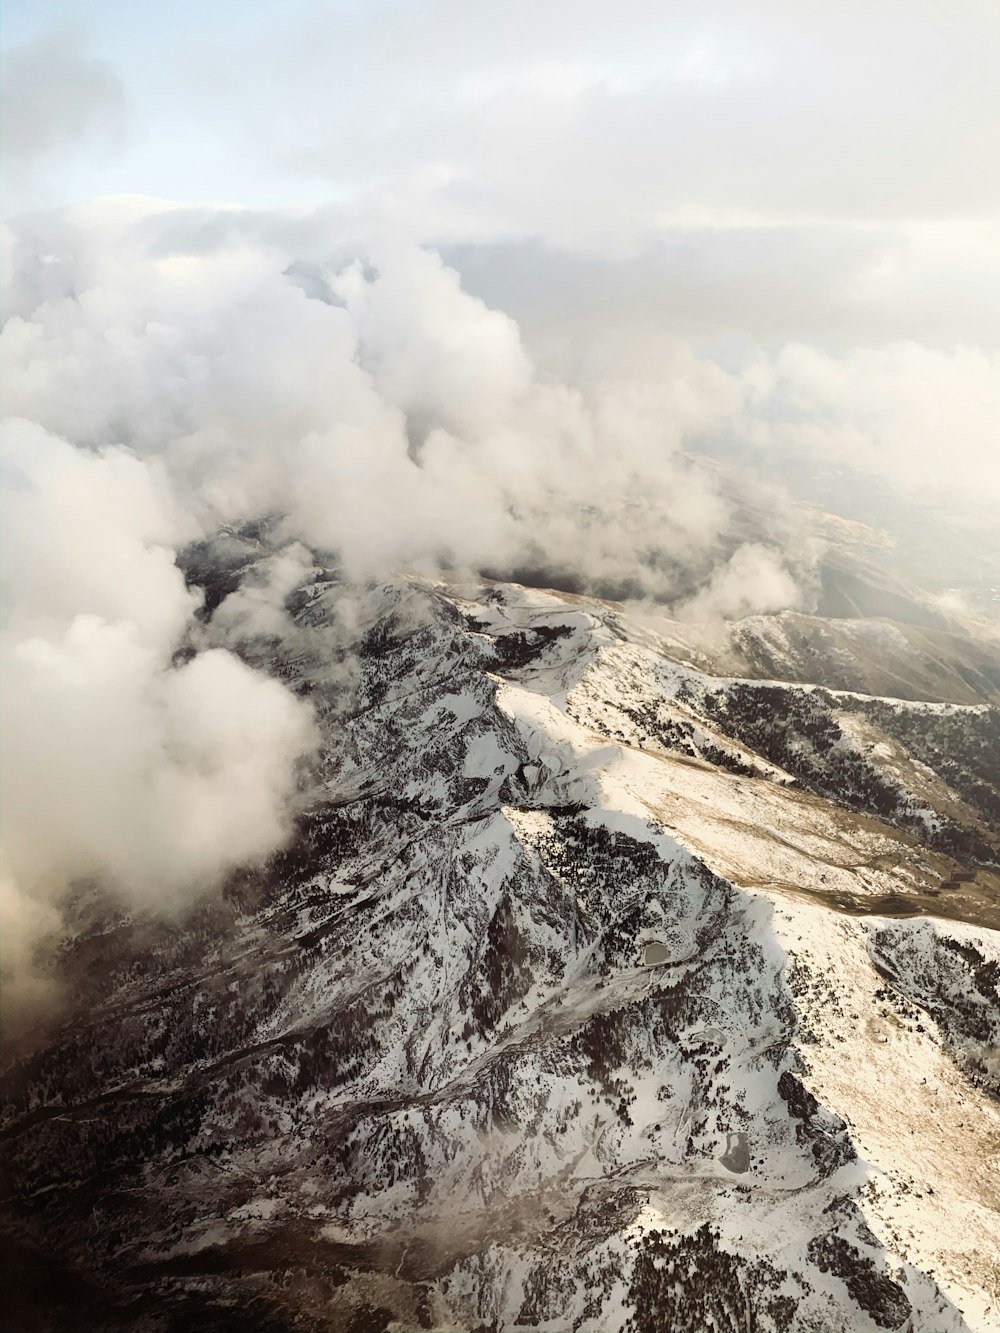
(389, 416)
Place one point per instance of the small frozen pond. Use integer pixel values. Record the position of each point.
(709, 1034)
(656, 953)
(737, 1156)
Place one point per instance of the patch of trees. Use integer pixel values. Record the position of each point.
(519, 649)
(503, 975)
(985, 973)
(795, 730)
(690, 1284)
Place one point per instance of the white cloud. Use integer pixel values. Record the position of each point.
(152, 779)
(926, 419)
(753, 581)
(589, 124)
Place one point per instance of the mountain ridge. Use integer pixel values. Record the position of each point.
(416, 1070)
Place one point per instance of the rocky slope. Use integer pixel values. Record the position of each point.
(597, 990)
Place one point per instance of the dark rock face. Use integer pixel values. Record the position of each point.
(880, 1297)
(412, 1072)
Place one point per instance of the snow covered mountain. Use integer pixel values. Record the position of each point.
(621, 974)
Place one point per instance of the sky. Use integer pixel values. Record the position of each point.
(515, 118)
(443, 282)
(741, 168)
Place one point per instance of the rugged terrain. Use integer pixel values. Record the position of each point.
(598, 989)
